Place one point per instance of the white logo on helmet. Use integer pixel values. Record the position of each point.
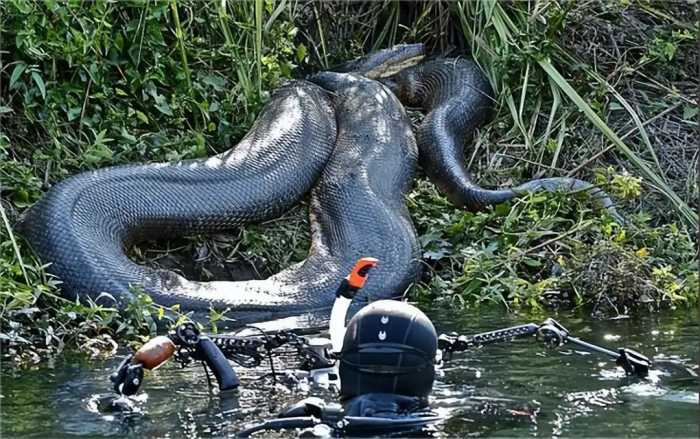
(384, 320)
(382, 335)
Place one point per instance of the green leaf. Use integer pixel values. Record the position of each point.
(39, 83)
(301, 52)
(127, 136)
(16, 73)
(73, 113)
(200, 149)
(164, 108)
(532, 262)
(472, 286)
(101, 138)
(141, 116)
(689, 112)
(216, 82)
(21, 197)
(502, 209)
(4, 109)
(162, 105)
(97, 154)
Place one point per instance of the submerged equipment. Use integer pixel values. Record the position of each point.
(386, 365)
(371, 414)
(189, 345)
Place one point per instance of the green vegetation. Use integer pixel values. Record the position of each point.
(603, 90)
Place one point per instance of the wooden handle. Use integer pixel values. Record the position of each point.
(155, 352)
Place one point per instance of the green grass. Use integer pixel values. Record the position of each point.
(603, 91)
(100, 83)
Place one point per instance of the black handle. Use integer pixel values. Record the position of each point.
(212, 355)
(128, 377)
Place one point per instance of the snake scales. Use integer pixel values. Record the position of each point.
(342, 136)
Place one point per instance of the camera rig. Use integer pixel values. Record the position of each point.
(318, 356)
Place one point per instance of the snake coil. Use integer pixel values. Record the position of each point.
(355, 152)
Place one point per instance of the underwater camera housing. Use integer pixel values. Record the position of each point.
(389, 347)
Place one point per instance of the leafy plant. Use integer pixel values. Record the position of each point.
(93, 84)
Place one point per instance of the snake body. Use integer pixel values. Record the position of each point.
(457, 99)
(83, 225)
(354, 151)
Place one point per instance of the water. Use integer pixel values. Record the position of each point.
(516, 389)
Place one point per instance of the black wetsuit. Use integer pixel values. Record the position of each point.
(370, 413)
(384, 405)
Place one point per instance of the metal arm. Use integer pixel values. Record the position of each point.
(459, 343)
(634, 363)
(553, 334)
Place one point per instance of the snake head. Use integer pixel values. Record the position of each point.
(392, 67)
(385, 62)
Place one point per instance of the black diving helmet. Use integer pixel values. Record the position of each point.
(389, 347)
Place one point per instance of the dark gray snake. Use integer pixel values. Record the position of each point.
(356, 150)
(456, 96)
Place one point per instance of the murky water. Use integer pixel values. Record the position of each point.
(515, 389)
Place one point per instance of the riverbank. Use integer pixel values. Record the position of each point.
(602, 91)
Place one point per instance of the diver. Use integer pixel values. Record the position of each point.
(386, 367)
(385, 360)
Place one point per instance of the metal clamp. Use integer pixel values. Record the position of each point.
(552, 334)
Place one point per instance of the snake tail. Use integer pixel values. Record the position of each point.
(457, 99)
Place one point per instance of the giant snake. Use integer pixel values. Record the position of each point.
(342, 136)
